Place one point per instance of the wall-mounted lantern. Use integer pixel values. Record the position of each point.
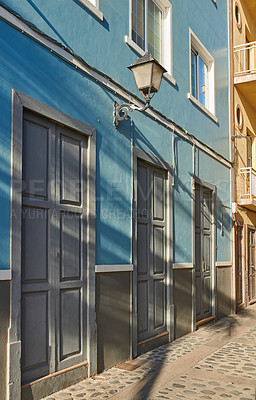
(147, 73)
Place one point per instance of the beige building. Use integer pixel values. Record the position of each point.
(243, 147)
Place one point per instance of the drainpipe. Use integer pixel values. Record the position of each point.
(232, 147)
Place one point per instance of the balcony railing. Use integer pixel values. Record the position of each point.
(249, 183)
(245, 58)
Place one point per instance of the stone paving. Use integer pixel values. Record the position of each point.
(173, 351)
(216, 362)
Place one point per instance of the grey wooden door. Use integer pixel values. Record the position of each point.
(151, 251)
(203, 251)
(252, 264)
(239, 265)
(53, 248)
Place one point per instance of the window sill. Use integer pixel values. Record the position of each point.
(141, 52)
(203, 108)
(133, 45)
(5, 275)
(94, 10)
(169, 78)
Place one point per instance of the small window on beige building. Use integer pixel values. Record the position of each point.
(238, 16)
(239, 117)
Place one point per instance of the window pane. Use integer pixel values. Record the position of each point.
(154, 30)
(138, 22)
(194, 73)
(202, 81)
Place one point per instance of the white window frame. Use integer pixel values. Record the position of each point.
(207, 58)
(93, 6)
(166, 43)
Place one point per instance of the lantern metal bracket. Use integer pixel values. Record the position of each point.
(120, 111)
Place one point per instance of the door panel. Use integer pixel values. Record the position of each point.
(143, 306)
(207, 295)
(70, 323)
(143, 250)
(151, 244)
(70, 164)
(70, 249)
(159, 195)
(158, 250)
(203, 251)
(159, 303)
(35, 151)
(198, 297)
(53, 248)
(252, 264)
(35, 244)
(239, 266)
(142, 193)
(198, 251)
(35, 335)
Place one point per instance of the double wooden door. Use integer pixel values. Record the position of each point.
(252, 264)
(203, 251)
(151, 250)
(53, 270)
(239, 264)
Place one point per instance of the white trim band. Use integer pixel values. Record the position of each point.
(5, 275)
(222, 264)
(66, 56)
(202, 107)
(183, 266)
(113, 268)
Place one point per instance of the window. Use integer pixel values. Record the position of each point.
(239, 117)
(147, 26)
(238, 16)
(202, 85)
(150, 30)
(199, 74)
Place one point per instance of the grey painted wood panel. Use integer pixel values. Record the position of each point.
(143, 306)
(158, 239)
(143, 191)
(71, 324)
(159, 196)
(70, 246)
(142, 259)
(35, 244)
(35, 159)
(35, 334)
(159, 303)
(70, 162)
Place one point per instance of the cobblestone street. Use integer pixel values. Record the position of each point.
(216, 362)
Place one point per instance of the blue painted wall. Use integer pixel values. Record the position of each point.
(33, 70)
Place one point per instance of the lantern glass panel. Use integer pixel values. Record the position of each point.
(143, 75)
(157, 77)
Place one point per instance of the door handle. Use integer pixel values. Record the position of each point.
(203, 265)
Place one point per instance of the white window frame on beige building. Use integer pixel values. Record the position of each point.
(93, 6)
(166, 45)
(207, 58)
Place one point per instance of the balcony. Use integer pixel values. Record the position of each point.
(245, 70)
(247, 188)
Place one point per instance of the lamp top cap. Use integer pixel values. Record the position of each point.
(145, 59)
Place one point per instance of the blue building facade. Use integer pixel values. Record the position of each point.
(146, 252)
